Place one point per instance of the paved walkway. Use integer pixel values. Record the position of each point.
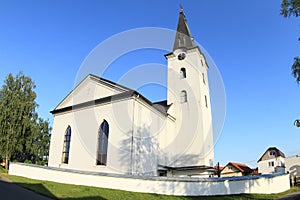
(12, 191)
(292, 196)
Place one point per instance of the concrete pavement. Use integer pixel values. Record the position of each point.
(12, 191)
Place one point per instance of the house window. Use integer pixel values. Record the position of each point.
(206, 101)
(183, 96)
(271, 164)
(230, 167)
(66, 147)
(103, 134)
(182, 73)
(203, 77)
(272, 153)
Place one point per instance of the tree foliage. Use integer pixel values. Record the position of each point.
(296, 69)
(292, 8)
(23, 135)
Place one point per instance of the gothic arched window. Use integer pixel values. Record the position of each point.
(103, 134)
(183, 73)
(183, 96)
(66, 147)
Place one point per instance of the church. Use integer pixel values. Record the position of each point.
(105, 127)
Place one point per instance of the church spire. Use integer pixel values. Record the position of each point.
(183, 37)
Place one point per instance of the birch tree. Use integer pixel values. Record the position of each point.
(22, 132)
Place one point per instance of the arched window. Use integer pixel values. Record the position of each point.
(183, 96)
(103, 134)
(66, 148)
(182, 73)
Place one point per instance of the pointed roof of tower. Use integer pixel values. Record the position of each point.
(183, 35)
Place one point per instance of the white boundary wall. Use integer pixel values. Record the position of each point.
(264, 184)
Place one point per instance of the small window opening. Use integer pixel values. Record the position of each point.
(182, 73)
(183, 96)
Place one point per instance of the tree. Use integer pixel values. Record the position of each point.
(39, 144)
(292, 8)
(296, 69)
(22, 132)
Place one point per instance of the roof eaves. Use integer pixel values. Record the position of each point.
(99, 101)
(280, 153)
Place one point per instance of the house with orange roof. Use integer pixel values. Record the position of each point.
(236, 169)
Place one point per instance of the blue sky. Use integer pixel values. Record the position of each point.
(252, 45)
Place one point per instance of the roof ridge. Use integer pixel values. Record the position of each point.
(239, 166)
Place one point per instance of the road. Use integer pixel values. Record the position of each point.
(292, 196)
(14, 192)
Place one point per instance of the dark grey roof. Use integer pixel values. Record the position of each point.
(106, 82)
(277, 151)
(183, 37)
(197, 167)
(107, 99)
(162, 106)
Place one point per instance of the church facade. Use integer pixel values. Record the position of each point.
(106, 127)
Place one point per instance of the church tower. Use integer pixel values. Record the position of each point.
(189, 100)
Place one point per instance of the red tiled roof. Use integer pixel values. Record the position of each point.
(241, 167)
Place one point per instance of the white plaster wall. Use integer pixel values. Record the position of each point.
(89, 89)
(185, 187)
(292, 165)
(193, 125)
(85, 124)
(149, 125)
(166, 141)
(135, 130)
(231, 174)
(264, 168)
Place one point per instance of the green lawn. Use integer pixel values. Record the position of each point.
(72, 192)
(2, 170)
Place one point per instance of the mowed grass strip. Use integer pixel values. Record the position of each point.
(72, 192)
(2, 170)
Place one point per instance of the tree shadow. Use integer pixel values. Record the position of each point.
(40, 189)
(20, 190)
(138, 152)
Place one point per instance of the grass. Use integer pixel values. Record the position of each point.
(72, 192)
(2, 170)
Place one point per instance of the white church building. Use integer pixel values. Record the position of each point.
(104, 127)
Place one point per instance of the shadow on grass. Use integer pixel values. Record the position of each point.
(87, 193)
(73, 192)
(114, 194)
(37, 188)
